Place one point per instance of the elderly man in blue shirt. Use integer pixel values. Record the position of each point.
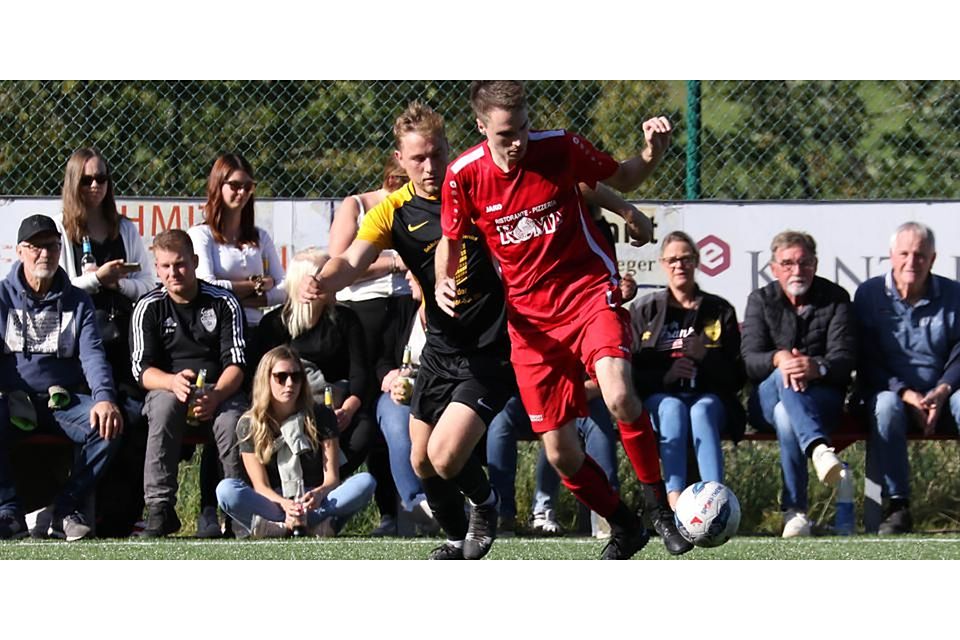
(910, 359)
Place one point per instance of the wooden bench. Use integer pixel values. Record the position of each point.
(854, 429)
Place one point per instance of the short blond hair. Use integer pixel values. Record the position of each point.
(418, 118)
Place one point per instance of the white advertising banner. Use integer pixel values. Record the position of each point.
(734, 238)
(853, 240)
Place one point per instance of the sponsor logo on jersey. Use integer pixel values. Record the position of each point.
(208, 318)
(169, 326)
(536, 417)
(413, 227)
(491, 208)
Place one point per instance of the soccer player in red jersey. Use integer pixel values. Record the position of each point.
(521, 190)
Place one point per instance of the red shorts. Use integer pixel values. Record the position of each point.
(551, 362)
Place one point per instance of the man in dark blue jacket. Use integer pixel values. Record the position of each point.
(799, 348)
(910, 360)
(54, 376)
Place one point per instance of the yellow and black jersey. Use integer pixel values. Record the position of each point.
(410, 224)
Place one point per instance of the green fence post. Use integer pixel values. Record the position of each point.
(693, 139)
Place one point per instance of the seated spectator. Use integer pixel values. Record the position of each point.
(120, 272)
(291, 458)
(233, 252)
(687, 367)
(393, 410)
(513, 424)
(54, 376)
(178, 330)
(329, 339)
(799, 349)
(909, 366)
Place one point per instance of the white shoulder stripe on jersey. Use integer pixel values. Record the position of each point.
(464, 160)
(136, 329)
(552, 133)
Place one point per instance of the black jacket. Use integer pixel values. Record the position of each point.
(721, 371)
(825, 330)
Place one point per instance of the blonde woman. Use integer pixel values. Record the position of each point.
(290, 455)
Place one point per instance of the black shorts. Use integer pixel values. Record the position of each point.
(481, 381)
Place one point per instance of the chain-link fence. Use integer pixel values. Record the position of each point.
(757, 140)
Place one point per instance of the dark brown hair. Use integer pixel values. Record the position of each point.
(496, 94)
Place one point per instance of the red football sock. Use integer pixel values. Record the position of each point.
(591, 487)
(640, 443)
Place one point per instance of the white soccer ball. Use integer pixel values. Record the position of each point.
(708, 514)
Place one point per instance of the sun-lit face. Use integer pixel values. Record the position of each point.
(794, 268)
(507, 133)
(237, 189)
(40, 256)
(177, 271)
(425, 161)
(679, 262)
(93, 183)
(911, 260)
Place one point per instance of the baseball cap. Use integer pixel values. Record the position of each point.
(32, 225)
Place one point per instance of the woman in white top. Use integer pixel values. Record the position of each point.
(233, 252)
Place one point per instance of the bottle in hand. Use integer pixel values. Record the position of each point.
(300, 527)
(192, 419)
(88, 263)
(407, 374)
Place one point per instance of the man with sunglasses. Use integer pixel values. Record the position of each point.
(184, 326)
(799, 347)
(54, 376)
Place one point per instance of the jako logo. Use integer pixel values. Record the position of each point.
(714, 255)
(494, 207)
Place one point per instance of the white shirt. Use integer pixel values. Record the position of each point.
(221, 263)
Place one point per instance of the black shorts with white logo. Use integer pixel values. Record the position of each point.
(482, 381)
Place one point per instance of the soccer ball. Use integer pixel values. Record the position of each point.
(708, 514)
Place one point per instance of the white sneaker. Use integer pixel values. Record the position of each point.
(827, 464)
(545, 524)
(796, 524)
(263, 528)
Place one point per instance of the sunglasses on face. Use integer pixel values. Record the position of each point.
(237, 186)
(101, 178)
(281, 377)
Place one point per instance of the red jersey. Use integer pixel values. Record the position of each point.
(554, 261)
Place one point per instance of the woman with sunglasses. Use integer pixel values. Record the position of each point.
(381, 298)
(687, 366)
(329, 339)
(290, 454)
(234, 253)
(121, 271)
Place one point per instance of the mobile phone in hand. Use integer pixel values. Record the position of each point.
(131, 266)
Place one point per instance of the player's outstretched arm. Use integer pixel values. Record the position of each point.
(339, 272)
(639, 227)
(446, 261)
(632, 172)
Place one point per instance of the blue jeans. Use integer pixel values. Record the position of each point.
(93, 452)
(888, 438)
(238, 500)
(799, 419)
(513, 424)
(394, 421)
(676, 418)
